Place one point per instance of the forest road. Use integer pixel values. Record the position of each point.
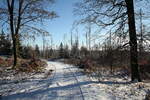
(66, 82)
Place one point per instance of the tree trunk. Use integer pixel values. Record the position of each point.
(133, 42)
(15, 52)
(11, 20)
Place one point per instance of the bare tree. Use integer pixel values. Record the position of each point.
(116, 15)
(21, 15)
(88, 36)
(133, 41)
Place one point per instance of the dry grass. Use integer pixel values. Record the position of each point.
(31, 65)
(90, 66)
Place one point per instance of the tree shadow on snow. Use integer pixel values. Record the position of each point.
(111, 82)
(49, 92)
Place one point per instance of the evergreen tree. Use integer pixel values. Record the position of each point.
(5, 44)
(51, 52)
(27, 52)
(75, 49)
(61, 50)
(66, 52)
(37, 51)
(83, 51)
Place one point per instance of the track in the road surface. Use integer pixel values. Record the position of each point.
(67, 82)
(77, 82)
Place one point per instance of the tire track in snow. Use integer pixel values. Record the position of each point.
(77, 82)
(68, 76)
(53, 73)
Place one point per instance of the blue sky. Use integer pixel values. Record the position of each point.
(63, 24)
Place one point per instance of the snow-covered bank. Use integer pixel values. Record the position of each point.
(112, 88)
(13, 85)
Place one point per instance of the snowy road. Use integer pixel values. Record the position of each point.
(66, 83)
(70, 84)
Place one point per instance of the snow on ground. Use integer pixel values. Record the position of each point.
(122, 90)
(112, 88)
(68, 83)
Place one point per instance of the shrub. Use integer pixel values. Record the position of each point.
(2, 62)
(144, 67)
(33, 65)
(9, 62)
